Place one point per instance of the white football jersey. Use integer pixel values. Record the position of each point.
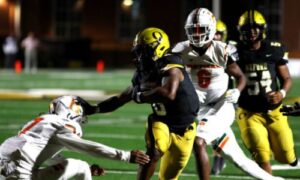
(207, 71)
(43, 138)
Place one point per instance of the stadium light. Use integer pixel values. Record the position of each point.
(127, 3)
(3, 3)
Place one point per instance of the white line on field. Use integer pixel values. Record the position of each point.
(187, 175)
(114, 136)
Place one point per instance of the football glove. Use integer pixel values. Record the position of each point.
(201, 95)
(232, 95)
(291, 110)
(88, 108)
(96, 170)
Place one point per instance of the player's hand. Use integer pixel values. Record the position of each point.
(274, 97)
(201, 95)
(88, 108)
(96, 170)
(139, 157)
(136, 94)
(232, 95)
(291, 110)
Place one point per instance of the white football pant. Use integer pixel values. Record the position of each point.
(66, 169)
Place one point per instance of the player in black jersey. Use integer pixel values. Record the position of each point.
(161, 80)
(291, 110)
(264, 129)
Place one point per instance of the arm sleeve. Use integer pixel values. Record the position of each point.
(74, 143)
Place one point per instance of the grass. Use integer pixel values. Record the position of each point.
(123, 128)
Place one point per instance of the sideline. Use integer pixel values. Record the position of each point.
(34, 94)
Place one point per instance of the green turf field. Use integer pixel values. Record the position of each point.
(123, 128)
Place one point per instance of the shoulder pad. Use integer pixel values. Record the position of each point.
(275, 44)
(172, 61)
(180, 47)
(231, 42)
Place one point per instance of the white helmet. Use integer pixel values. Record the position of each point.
(200, 27)
(68, 107)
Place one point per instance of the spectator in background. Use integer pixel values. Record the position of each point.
(30, 45)
(10, 50)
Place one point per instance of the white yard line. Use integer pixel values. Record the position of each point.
(189, 175)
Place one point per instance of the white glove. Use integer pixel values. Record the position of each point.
(201, 95)
(232, 95)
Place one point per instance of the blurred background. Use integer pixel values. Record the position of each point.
(84, 49)
(79, 33)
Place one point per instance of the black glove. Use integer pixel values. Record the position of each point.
(291, 110)
(136, 94)
(88, 108)
(96, 170)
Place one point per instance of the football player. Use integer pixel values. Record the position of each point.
(221, 31)
(264, 130)
(161, 80)
(220, 35)
(208, 61)
(23, 156)
(291, 110)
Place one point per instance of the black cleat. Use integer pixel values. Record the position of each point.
(218, 165)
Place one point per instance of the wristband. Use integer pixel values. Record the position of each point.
(283, 92)
(138, 97)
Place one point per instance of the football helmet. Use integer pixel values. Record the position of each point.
(222, 30)
(200, 27)
(250, 20)
(151, 43)
(68, 107)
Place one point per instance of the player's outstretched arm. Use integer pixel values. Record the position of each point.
(74, 143)
(291, 110)
(114, 102)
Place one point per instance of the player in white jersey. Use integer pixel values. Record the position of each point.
(34, 152)
(207, 60)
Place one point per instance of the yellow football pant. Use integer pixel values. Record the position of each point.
(267, 133)
(176, 149)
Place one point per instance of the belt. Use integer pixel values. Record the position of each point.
(181, 130)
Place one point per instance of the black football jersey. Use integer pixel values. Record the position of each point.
(183, 110)
(260, 68)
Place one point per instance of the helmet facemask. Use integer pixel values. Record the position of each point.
(252, 27)
(251, 33)
(143, 57)
(68, 107)
(200, 27)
